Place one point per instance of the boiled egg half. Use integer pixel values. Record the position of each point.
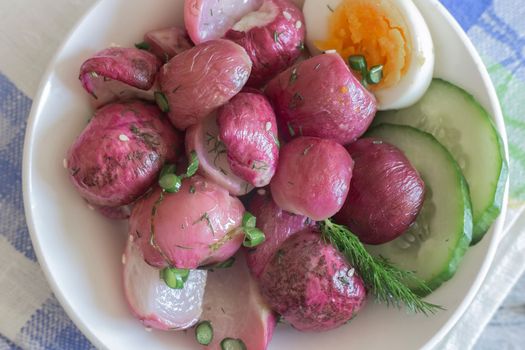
(391, 33)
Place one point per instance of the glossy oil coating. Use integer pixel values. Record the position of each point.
(248, 129)
(154, 303)
(321, 97)
(311, 284)
(203, 78)
(118, 155)
(196, 226)
(312, 178)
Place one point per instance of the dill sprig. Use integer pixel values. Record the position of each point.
(383, 280)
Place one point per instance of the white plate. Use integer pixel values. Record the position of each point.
(80, 251)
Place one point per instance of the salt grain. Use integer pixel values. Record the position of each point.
(123, 138)
(268, 126)
(64, 163)
(261, 192)
(123, 259)
(298, 24)
(287, 15)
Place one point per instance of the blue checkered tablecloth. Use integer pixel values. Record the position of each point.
(31, 317)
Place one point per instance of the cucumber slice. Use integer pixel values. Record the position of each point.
(460, 124)
(435, 244)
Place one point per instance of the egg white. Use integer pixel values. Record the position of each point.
(415, 82)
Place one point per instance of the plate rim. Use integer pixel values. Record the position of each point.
(78, 321)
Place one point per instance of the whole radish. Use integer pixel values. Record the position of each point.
(321, 97)
(119, 154)
(198, 225)
(311, 285)
(197, 81)
(312, 178)
(386, 192)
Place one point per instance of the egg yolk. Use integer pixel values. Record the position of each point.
(372, 28)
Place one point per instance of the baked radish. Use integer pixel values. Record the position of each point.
(386, 192)
(119, 154)
(312, 178)
(206, 20)
(201, 79)
(248, 130)
(273, 36)
(277, 226)
(311, 284)
(236, 310)
(198, 225)
(151, 300)
(203, 139)
(321, 97)
(119, 73)
(167, 42)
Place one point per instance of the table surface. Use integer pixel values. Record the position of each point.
(35, 320)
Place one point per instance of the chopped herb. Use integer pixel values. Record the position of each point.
(162, 101)
(175, 90)
(290, 129)
(293, 76)
(300, 46)
(143, 46)
(276, 36)
(204, 332)
(301, 130)
(152, 241)
(223, 171)
(174, 278)
(93, 74)
(206, 217)
(296, 99)
(383, 280)
(330, 8)
(291, 183)
(211, 12)
(260, 166)
(305, 152)
(218, 146)
(192, 189)
(166, 57)
(194, 165)
(276, 140)
(183, 247)
(317, 66)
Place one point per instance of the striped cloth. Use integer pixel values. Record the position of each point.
(31, 317)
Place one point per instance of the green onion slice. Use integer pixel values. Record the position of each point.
(358, 63)
(170, 183)
(232, 344)
(252, 237)
(248, 220)
(204, 333)
(168, 168)
(161, 101)
(194, 164)
(143, 46)
(375, 74)
(174, 277)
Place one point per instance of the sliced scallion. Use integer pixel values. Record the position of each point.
(249, 220)
(174, 277)
(357, 63)
(143, 46)
(232, 344)
(170, 183)
(375, 74)
(204, 333)
(161, 101)
(252, 237)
